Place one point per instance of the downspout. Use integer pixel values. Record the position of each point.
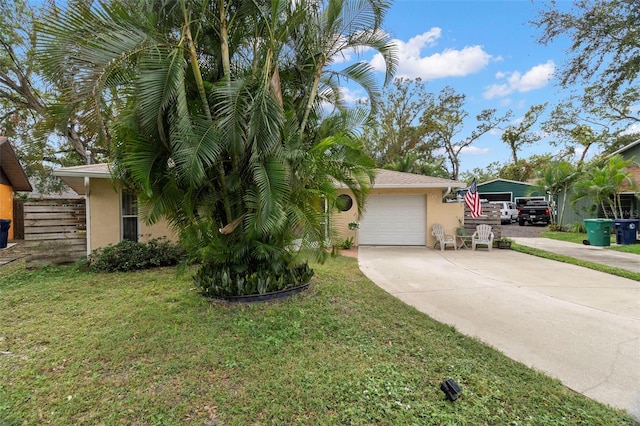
(87, 219)
(446, 193)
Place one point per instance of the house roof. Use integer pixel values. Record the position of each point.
(505, 180)
(11, 167)
(391, 179)
(74, 175)
(624, 148)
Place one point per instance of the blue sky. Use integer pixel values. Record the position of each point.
(484, 49)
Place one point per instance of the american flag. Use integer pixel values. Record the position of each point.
(472, 200)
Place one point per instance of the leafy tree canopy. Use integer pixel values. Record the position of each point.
(45, 134)
(603, 55)
(445, 118)
(395, 138)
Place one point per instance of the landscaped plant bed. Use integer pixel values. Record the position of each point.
(503, 243)
(266, 297)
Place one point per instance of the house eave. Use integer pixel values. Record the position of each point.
(75, 176)
(505, 180)
(624, 148)
(421, 186)
(12, 168)
(453, 184)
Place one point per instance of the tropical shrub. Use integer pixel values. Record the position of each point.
(578, 228)
(130, 255)
(556, 227)
(347, 243)
(222, 125)
(222, 281)
(603, 182)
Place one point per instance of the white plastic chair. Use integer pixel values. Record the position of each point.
(442, 238)
(482, 236)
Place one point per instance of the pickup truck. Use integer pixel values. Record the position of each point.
(534, 212)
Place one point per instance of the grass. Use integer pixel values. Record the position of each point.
(577, 237)
(571, 237)
(145, 349)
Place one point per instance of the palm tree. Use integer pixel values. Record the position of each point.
(603, 183)
(557, 178)
(221, 128)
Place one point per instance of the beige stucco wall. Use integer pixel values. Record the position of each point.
(104, 212)
(450, 215)
(340, 222)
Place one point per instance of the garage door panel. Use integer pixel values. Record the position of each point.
(394, 220)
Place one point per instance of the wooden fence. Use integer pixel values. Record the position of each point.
(54, 231)
(490, 216)
(18, 219)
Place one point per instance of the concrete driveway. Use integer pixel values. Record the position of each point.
(578, 325)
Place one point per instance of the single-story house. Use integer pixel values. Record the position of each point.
(628, 196)
(400, 209)
(508, 190)
(12, 178)
(112, 212)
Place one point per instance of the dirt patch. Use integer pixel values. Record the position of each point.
(14, 248)
(352, 252)
(14, 251)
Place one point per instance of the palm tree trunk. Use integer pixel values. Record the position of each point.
(619, 200)
(195, 66)
(224, 42)
(312, 97)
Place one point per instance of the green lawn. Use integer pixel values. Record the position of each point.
(576, 237)
(572, 237)
(144, 349)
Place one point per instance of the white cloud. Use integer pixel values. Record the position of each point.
(447, 63)
(472, 150)
(351, 96)
(536, 78)
(632, 129)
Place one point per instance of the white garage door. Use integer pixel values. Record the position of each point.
(395, 220)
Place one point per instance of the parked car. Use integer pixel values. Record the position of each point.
(534, 212)
(508, 211)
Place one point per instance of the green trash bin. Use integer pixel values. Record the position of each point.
(598, 231)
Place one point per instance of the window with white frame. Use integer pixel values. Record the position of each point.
(129, 215)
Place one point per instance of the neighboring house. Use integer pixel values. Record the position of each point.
(12, 178)
(112, 212)
(400, 209)
(628, 196)
(508, 190)
(586, 208)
